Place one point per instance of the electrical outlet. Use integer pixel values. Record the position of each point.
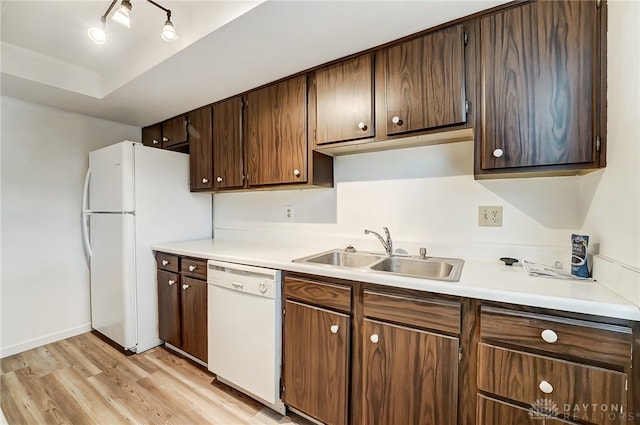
(288, 213)
(490, 216)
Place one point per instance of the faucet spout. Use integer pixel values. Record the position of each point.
(387, 244)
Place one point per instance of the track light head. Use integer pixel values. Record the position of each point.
(168, 31)
(122, 15)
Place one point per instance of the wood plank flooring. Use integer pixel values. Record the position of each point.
(84, 380)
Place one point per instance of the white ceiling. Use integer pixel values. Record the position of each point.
(225, 47)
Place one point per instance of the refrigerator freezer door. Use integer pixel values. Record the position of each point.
(112, 178)
(113, 277)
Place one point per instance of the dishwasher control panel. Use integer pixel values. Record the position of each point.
(247, 279)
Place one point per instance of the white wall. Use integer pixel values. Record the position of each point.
(611, 197)
(45, 280)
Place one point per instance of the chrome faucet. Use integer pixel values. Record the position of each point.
(388, 244)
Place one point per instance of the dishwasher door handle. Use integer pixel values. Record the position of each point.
(237, 285)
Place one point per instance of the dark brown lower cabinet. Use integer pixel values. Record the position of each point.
(316, 362)
(182, 303)
(169, 307)
(194, 317)
(409, 376)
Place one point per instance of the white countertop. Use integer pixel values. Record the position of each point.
(486, 280)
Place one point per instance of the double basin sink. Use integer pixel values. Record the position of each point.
(448, 269)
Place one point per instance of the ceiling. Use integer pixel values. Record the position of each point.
(225, 47)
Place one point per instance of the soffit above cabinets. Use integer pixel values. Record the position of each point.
(225, 47)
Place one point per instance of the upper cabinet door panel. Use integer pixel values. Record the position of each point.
(201, 149)
(345, 100)
(227, 144)
(425, 82)
(276, 128)
(152, 136)
(174, 131)
(537, 84)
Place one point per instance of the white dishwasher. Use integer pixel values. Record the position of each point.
(245, 329)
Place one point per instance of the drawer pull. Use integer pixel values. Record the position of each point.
(374, 338)
(334, 329)
(165, 262)
(545, 387)
(171, 282)
(549, 336)
(185, 287)
(192, 268)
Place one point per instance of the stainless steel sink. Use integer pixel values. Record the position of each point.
(448, 269)
(342, 258)
(430, 267)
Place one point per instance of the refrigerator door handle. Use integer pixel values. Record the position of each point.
(85, 217)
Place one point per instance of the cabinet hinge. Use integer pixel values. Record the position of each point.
(597, 143)
(466, 38)
(466, 106)
(597, 4)
(626, 384)
(459, 354)
(241, 103)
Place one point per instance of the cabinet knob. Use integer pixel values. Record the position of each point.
(296, 172)
(334, 329)
(205, 180)
(155, 142)
(362, 126)
(497, 153)
(171, 282)
(165, 262)
(549, 336)
(396, 120)
(219, 179)
(165, 139)
(192, 268)
(374, 338)
(545, 387)
(185, 287)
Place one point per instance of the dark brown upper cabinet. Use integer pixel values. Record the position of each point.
(425, 82)
(276, 133)
(228, 159)
(174, 132)
(152, 136)
(344, 100)
(540, 87)
(200, 149)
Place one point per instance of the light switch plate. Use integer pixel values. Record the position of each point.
(490, 216)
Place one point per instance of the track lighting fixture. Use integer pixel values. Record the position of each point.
(122, 16)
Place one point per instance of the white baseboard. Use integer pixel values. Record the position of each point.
(43, 340)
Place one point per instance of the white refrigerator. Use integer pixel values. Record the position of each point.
(135, 196)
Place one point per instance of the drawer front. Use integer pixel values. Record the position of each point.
(439, 315)
(582, 339)
(194, 267)
(336, 297)
(494, 412)
(530, 379)
(167, 262)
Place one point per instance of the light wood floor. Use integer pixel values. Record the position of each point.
(84, 380)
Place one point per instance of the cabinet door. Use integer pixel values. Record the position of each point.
(228, 160)
(276, 120)
(169, 307)
(537, 84)
(494, 412)
(344, 100)
(200, 149)
(409, 376)
(425, 82)
(174, 132)
(316, 359)
(152, 136)
(194, 317)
